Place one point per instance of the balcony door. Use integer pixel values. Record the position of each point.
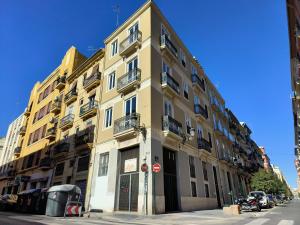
(133, 32)
(70, 110)
(168, 108)
(130, 106)
(131, 67)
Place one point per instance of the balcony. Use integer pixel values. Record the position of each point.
(71, 96)
(168, 48)
(219, 131)
(60, 148)
(169, 85)
(129, 81)
(22, 130)
(27, 112)
(10, 173)
(66, 122)
(17, 151)
(92, 81)
(172, 128)
(204, 144)
(124, 127)
(50, 133)
(60, 82)
(198, 83)
(88, 110)
(201, 112)
(55, 106)
(225, 159)
(85, 138)
(131, 43)
(45, 163)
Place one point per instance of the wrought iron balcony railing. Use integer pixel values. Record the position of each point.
(128, 79)
(204, 144)
(89, 108)
(170, 124)
(169, 81)
(127, 122)
(135, 37)
(198, 109)
(198, 81)
(166, 42)
(68, 119)
(92, 79)
(84, 137)
(71, 95)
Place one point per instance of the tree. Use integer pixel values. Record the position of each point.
(269, 183)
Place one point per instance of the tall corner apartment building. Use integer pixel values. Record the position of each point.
(142, 99)
(293, 12)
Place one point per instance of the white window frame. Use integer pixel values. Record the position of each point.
(199, 127)
(130, 99)
(109, 81)
(188, 121)
(102, 155)
(194, 69)
(166, 65)
(164, 30)
(170, 105)
(114, 48)
(186, 89)
(108, 116)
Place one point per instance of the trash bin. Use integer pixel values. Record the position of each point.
(41, 202)
(58, 196)
(27, 200)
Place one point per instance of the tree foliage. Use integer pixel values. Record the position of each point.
(269, 183)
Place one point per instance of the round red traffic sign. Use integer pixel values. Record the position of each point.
(144, 167)
(156, 167)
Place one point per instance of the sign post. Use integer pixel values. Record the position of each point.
(144, 168)
(155, 169)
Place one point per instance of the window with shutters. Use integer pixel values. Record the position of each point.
(103, 164)
(47, 91)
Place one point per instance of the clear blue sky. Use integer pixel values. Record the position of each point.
(242, 45)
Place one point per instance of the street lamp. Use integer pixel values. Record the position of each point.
(189, 136)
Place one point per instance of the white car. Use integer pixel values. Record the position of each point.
(263, 198)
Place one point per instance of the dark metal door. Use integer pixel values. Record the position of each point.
(129, 180)
(217, 186)
(170, 181)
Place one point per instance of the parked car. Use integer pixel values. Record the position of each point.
(263, 198)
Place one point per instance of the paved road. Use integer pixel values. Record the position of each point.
(288, 214)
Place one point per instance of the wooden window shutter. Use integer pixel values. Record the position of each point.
(43, 130)
(40, 97)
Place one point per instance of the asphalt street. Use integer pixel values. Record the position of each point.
(287, 214)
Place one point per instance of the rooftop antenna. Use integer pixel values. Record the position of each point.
(116, 10)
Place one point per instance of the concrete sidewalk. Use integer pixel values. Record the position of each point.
(203, 216)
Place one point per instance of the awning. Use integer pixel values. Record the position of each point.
(29, 191)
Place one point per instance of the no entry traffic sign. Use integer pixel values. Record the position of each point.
(156, 168)
(144, 167)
